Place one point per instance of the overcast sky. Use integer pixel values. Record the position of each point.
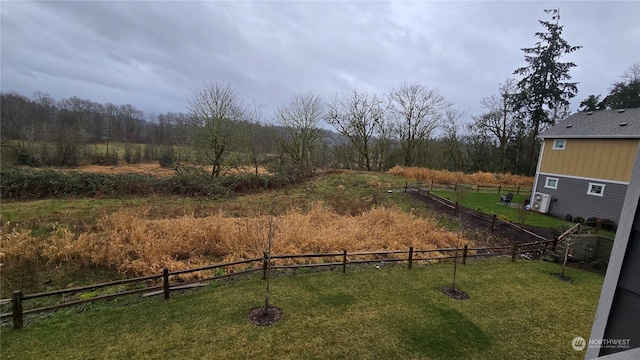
(153, 53)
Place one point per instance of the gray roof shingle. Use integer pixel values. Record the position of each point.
(597, 124)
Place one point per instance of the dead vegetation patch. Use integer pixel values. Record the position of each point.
(155, 169)
(129, 243)
(452, 177)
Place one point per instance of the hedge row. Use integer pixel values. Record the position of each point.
(20, 183)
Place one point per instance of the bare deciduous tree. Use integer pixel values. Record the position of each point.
(217, 109)
(358, 117)
(499, 119)
(300, 119)
(251, 129)
(417, 111)
(452, 140)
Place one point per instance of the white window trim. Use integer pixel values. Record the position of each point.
(557, 141)
(546, 182)
(591, 184)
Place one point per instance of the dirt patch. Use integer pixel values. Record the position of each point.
(454, 293)
(560, 277)
(262, 316)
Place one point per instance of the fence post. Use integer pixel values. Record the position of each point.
(431, 189)
(514, 252)
(410, 256)
(499, 188)
(493, 222)
(344, 261)
(478, 189)
(598, 225)
(518, 191)
(455, 187)
(16, 303)
(464, 254)
(165, 282)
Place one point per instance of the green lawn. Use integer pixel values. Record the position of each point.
(517, 310)
(489, 203)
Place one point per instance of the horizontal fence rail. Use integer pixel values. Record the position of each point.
(499, 189)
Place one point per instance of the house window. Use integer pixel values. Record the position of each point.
(596, 189)
(551, 183)
(559, 144)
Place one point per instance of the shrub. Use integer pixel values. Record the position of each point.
(150, 152)
(592, 221)
(20, 183)
(599, 265)
(106, 160)
(132, 154)
(23, 157)
(167, 160)
(609, 224)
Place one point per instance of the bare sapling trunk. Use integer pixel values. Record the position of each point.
(459, 197)
(566, 255)
(452, 291)
(268, 253)
(455, 264)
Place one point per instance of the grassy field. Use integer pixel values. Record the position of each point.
(516, 311)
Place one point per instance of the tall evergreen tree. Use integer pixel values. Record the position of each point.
(545, 86)
(591, 103)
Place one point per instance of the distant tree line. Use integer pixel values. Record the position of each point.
(412, 125)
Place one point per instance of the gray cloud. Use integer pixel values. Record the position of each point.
(151, 54)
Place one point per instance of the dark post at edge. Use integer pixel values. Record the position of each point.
(16, 299)
(165, 282)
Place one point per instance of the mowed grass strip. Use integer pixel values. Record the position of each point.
(516, 311)
(489, 203)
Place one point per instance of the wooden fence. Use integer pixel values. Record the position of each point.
(339, 260)
(499, 189)
(492, 219)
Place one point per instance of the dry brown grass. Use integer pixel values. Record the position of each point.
(452, 177)
(152, 169)
(128, 243)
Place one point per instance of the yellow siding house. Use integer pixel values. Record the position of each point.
(585, 164)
